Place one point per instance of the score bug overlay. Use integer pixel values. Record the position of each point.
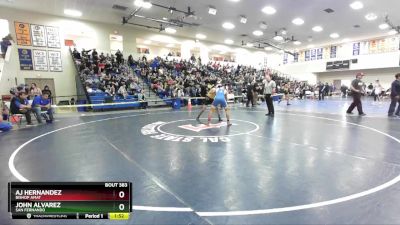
(70, 200)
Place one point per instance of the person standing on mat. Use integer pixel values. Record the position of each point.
(357, 90)
(395, 95)
(250, 94)
(220, 100)
(208, 99)
(269, 90)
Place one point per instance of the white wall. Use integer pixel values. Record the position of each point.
(385, 76)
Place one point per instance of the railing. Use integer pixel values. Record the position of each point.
(80, 88)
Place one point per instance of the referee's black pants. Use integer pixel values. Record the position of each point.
(270, 104)
(356, 103)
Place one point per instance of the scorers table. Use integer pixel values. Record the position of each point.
(70, 200)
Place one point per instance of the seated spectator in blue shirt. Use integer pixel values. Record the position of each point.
(20, 105)
(41, 106)
(4, 126)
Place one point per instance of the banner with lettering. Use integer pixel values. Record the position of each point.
(25, 59)
(356, 48)
(296, 57)
(285, 58)
(320, 52)
(313, 54)
(38, 35)
(23, 33)
(307, 55)
(333, 52)
(40, 60)
(53, 37)
(55, 61)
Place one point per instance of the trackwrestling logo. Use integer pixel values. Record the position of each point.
(154, 131)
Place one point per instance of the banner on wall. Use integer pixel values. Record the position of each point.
(23, 33)
(40, 60)
(296, 57)
(333, 52)
(53, 37)
(25, 59)
(285, 58)
(307, 55)
(373, 46)
(320, 54)
(55, 61)
(356, 48)
(313, 54)
(38, 35)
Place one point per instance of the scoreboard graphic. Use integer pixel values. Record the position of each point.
(70, 200)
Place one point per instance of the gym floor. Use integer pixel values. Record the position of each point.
(310, 164)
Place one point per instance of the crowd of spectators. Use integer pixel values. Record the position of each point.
(26, 100)
(106, 73)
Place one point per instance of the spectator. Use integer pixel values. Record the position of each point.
(20, 105)
(4, 126)
(76, 54)
(6, 41)
(395, 95)
(47, 90)
(41, 106)
(34, 91)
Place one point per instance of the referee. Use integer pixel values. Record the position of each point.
(269, 90)
(356, 91)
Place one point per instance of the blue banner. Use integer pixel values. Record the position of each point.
(25, 59)
(285, 58)
(333, 52)
(356, 48)
(313, 54)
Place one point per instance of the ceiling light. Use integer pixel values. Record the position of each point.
(357, 5)
(228, 25)
(283, 32)
(310, 46)
(345, 40)
(392, 32)
(298, 21)
(228, 41)
(384, 26)
(201, 36)
(278, 38)
(269, 10)
(234, 0)
(170, 45)
(258, 33)
(269, 48)
(143, 4)
(297, 42)
(334, 35)
(263, 25)
(165, 18)
(147, 42)
(317, 29)
(250, 45)
(170, 30)
(243, 19)
(371, 16)
(212, 11)
(72, 12)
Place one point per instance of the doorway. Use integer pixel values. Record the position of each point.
(41, 82)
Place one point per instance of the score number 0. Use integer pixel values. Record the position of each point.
(121, 206)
